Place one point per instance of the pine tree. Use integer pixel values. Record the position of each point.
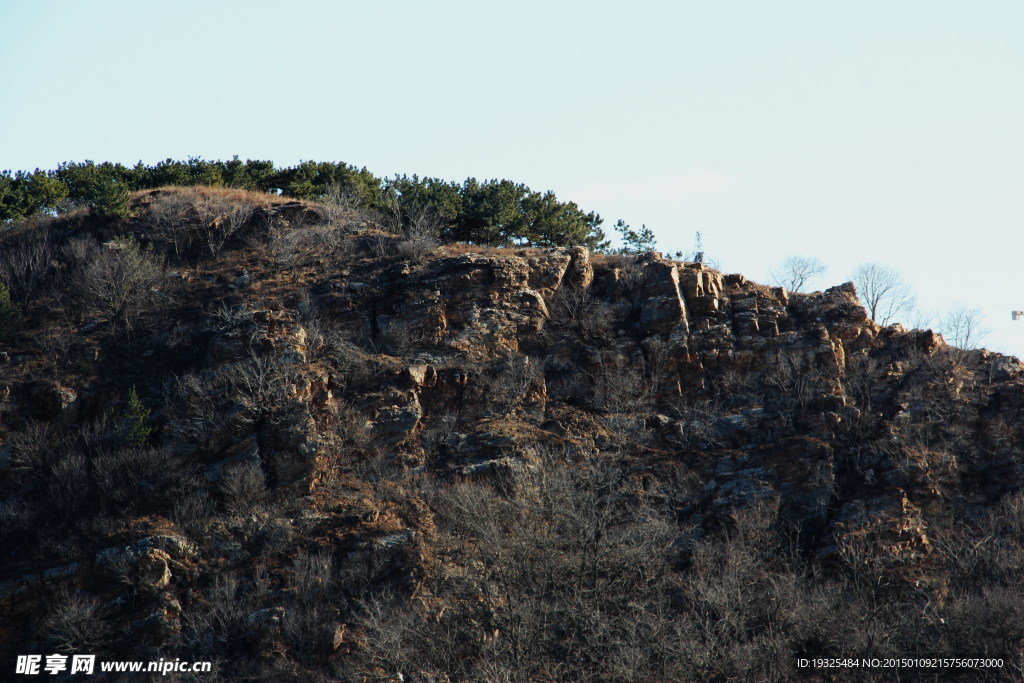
(635, 241)
(135, 432)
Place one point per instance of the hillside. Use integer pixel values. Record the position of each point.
(277, 436)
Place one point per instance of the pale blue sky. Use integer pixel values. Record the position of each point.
(851, 131)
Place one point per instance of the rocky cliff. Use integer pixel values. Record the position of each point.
(359, 454)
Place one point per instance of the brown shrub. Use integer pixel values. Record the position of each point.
(120, 283)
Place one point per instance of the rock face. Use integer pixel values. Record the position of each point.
(312, 426)
(789, 375)
(662, 309)
(482, 306)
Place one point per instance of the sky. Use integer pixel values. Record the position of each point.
(871, 131)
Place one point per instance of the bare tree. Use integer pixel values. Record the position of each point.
(796, 271)
(342, 208)
(518, 377)
(75, 622)
(962, 327)
(222, 221)
(171, 218)
(119, 282)
(550, 554)
(883, 292)
(25, 264)
(184, 219)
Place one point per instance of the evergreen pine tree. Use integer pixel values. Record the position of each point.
(135, 432)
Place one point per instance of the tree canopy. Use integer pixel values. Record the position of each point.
(489, 212)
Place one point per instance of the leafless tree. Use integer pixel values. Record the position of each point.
(75, 623)
(25, 264)
(391, 209)
(517, 378)
(619, 384)
(342, 208)
(962, 327)
(883, 292)
(171, 216)
(796, 271)
(579, 310)
(549, 556)
(184, 219)
(228, 220)
(244, 486)
(119, 282)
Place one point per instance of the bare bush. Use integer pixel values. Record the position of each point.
(255, 390)
(862, 378)
(695, 422)
(629, 271)
(619, 384)
(379, 244)
(172, 216)
(25, 263)
(230, 319)
(577, 309)
(935, 390)
(222, 620)
(19, 514)
(192, 508)
(120, 282)
(397, 337)
(189, 218)
(331, 240)
(986, 553)
(312, 577)
(67, 483)
(78, 252)
(290, 251)
(318, 337)
(194, 414)
(747, 610)
(228, 221)
(342, 208)
(57, 342)
(298, 248)
(423, 225)
(244, 487)
(260, 384)
(389, 624)
(416, 249)
(543, 564)
(518, 377)
(124, 477)
(986, 623)
(75, 623)
(35, 448)
(798, 380)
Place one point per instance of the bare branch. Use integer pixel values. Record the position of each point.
(883, 292)
(962, 327)
(796, 271)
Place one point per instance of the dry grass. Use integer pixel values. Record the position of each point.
(143, 198)
(335, 211)
(459, 248)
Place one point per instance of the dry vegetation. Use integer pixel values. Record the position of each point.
(334, 490)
